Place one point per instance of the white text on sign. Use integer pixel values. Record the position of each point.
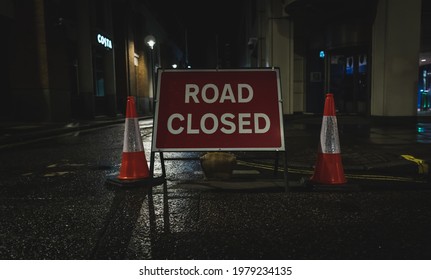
(227, 94)
(227, 123)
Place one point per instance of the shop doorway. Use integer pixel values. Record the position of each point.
(99, 84)
(424, 89)
(349, 81)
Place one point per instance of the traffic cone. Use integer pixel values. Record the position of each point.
(133, 163)
(329, 168)
(134, 168)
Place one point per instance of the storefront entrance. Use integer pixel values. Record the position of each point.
(99, 83)
(349, 81)
(424, 88)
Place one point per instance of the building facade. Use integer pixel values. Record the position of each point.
(64, 60)
(367, 53)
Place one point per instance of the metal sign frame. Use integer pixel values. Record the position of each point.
(277, 150)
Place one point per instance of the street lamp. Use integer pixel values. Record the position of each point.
(151, 41)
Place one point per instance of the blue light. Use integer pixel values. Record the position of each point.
(421, 129)
(322, 54)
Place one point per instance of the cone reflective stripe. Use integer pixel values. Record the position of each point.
(329, 142)
(133, 164)
(329, 168)
(132, 136)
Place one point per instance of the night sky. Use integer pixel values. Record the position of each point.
(206, 22)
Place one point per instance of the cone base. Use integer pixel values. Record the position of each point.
(133, 166)
(348, 187)
(146, 182)
(329, 170)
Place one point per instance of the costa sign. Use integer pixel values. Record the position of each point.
(218, 110)
(104, 41)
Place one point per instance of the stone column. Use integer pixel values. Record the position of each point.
(42, 55)
(395, 58)
(85, 59)
(110, 86)
(281, 55)
(29, 75)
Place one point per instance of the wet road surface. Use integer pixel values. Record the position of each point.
(55, 204)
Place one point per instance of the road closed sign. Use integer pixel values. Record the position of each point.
(216, 110)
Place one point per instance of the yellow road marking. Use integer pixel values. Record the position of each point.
(422, 165)
(310, 172)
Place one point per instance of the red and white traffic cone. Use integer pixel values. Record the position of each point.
(134, 168)
(133, 163)
(329, 168)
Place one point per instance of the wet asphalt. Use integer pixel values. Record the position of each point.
(56, 203)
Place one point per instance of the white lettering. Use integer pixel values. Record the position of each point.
(265, 118)
(242, 123)
(210, 93)
(228, 123)
(241, 99)
(203, 123)
(192, 91)
(190, 130)
(204, 93)
(227, 94)
(170, 120)
(224, 120)
(104, 41)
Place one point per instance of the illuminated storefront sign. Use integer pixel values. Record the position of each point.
(104, 41)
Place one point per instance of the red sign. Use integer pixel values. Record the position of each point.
(207, 110)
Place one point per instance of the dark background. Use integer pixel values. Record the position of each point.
(211, 26)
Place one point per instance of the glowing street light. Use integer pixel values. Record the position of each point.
(150, 41)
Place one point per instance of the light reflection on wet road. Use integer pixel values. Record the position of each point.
(198, 223)
(56, 203)
(389, 135)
